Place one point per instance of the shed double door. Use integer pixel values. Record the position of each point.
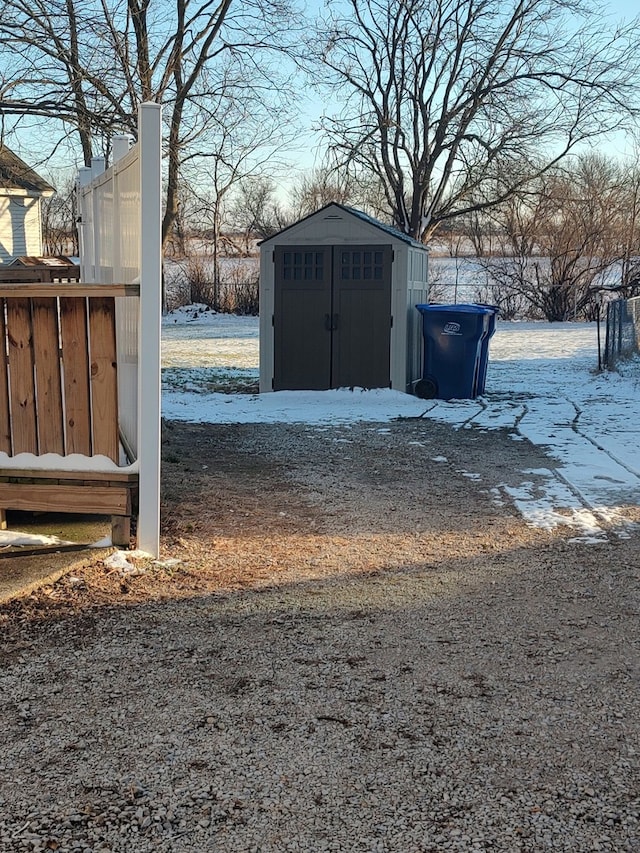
(332, 317)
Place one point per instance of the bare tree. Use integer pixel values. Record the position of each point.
(89, 63)
(561, 239)
(247, 139)
(256, 212)
(59, 231)
(441, 95)
(319, 187)
(630, 230)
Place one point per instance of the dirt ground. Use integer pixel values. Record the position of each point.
(349, 644)
(253, 506)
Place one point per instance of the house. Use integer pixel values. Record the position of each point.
(21, 194)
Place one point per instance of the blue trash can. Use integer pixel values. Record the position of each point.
(453, 350)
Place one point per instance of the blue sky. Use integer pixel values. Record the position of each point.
(624, 8)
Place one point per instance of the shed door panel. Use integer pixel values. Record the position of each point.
(362, 316)
(302, 335)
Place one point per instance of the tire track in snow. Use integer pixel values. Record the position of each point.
(578, 429)
(573, 493)
(603, 484)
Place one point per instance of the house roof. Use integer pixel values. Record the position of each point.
(15, 174)
(35, 261)
(359, 214)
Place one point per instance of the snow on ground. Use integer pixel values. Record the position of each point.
(15, 537)
(197, 337)
(542, 385)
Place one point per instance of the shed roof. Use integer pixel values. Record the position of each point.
(15, 174)
(359, 214)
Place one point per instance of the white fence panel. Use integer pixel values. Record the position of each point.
(120, 242)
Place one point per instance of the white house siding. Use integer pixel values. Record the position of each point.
(20, 229)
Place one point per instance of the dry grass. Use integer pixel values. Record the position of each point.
(249, 507)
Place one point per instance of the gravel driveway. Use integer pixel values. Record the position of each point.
(361, 649)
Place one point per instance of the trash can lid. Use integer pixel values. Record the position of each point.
(494, 308)
(460, 307)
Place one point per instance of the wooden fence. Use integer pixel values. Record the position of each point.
(58, 383)
(80, 362)
(59, 395)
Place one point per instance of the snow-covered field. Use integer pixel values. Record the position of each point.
(542, 385)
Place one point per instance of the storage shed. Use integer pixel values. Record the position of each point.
(338, 291)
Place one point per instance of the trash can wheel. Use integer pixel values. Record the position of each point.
(426, 389)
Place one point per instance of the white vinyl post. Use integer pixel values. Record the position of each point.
(85, 234)
(98, 165)
(95, 274)
(149, 138)
(121, 144)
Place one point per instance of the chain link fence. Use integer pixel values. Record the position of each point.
(622, 339)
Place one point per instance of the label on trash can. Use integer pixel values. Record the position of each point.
(451, 329)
